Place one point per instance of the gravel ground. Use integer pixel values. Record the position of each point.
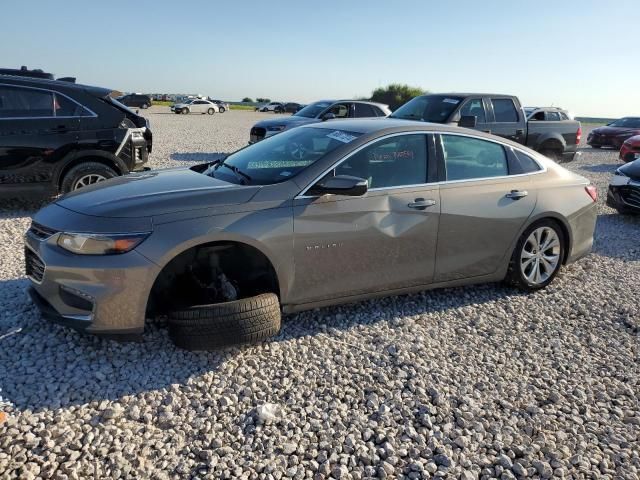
(477, 382)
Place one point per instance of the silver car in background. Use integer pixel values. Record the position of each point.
(322, 214)
(195, 105)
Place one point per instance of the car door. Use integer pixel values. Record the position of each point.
(508, 120)
(37, 128)
(380, 241)
(484, 204)
(340, 110)
(197, 106)
(474, 107)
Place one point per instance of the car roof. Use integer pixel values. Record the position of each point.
(53, 84)
(384, 125)
(470, 94)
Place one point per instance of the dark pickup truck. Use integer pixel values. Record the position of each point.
(500, 115)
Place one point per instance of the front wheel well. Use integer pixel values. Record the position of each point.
(211, 273)
(85, 159)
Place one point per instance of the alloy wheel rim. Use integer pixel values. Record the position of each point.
(88, 180)
(540, 255)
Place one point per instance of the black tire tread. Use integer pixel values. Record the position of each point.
(205, 327)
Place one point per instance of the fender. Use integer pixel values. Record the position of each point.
(550, 136)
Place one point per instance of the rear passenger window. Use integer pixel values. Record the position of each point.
(504, 110)
(553, 116)
(63, 107)
(393, 162)
(363, 110)
(467, 158)
(379, 112)
(18, 102)
(526, 164)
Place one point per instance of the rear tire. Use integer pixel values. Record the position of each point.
(206, 327)
(144, 106)
(185, 111)
(222, 109)
(85, 174)
(532, 252)
(596, 146)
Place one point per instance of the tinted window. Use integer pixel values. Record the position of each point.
(428, 108)
(379, 112)
(474, 108)
(504, 110)
(553, 116)
(364, 110)
(627, 122)
(467, 158)
(65, 107)
(24, 102)
(564, 116)
(524, 164)
(280, 157)
(312, 111)
(393, 162)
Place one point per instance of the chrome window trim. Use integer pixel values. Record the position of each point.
(54, 92)
(543, 168)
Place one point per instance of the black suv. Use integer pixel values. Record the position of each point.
(136, 100)
(57, 136)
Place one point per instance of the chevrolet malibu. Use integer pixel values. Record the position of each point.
(318, 215)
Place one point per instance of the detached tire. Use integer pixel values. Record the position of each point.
(207, 327)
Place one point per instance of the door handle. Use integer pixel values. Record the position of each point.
(517, 194)
(486, 131)
(421, 203)
(59, 129)
(520, 131)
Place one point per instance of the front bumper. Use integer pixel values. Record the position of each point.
(624, 195)
(629, 154)
(101, 294)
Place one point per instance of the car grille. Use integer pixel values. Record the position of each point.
(257, 134)
(34, 265)
(631, 196)
(40, 231)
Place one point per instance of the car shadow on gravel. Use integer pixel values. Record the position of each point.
(18, 207)
(198, 156)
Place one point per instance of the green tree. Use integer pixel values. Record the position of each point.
(395, 94)
(247, 99)
(263, 100)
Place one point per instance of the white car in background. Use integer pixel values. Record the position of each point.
(275, 107)
(195, 105)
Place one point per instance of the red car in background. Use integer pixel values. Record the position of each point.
(630, 149)
(615, 133)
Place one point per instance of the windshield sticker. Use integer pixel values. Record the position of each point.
(451, 100)
(343, 137)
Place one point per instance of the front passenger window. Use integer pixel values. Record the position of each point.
(393, 162)
(474, 108)
(468, 158)
(340, 110)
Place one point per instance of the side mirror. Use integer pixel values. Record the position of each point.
(328, 116)
(468, 121)
(340, 185)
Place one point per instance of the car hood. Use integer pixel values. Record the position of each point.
(631, 170)
(614, 130)
(635, 141)
(158, 192)
(288, 122)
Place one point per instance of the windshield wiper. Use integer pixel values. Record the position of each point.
(239, 173)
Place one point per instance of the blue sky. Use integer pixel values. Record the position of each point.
(579, 55)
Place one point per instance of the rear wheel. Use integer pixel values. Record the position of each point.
(86, 174)
(211, 111)
(144, 106)
(538, 255)
(222, 109)
(206, 327)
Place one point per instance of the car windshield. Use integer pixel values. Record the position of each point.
(313, 110)
(627, 122)
(281, 157)
(428, 108)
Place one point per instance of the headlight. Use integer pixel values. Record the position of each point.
(100, 244)
(276, 128)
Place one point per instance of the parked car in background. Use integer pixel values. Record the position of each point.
(292, 107)
(136, 100)
(275, 107)
(624, 189)
(500, 115)
(319, 215)
(547, 114)
(222, 106)
(57, 136)
(318, 112)
(615, 133)
(630, 149)
(195, 105)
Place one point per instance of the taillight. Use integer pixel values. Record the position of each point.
(578, 135)
(592, 191)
